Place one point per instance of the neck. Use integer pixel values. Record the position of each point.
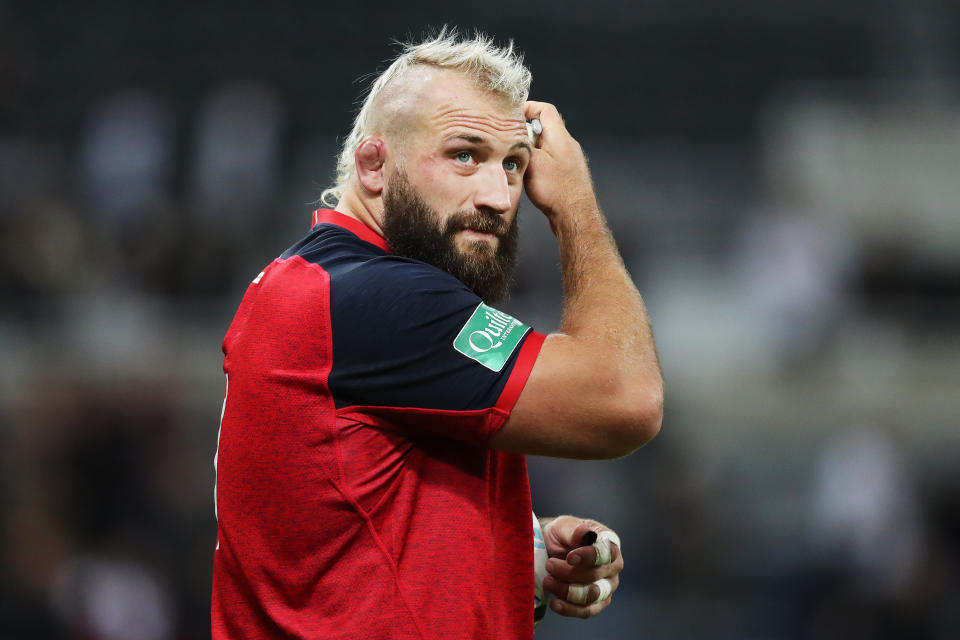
(362, 206)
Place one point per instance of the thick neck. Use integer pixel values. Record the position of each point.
(361, 205)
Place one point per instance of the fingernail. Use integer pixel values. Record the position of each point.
(575, 560)
(556, 606)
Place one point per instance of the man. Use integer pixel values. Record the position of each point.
(371, 478)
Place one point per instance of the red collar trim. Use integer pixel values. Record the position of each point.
(352, 225)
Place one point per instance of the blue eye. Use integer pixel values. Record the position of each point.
(464, 156)
(511, 165)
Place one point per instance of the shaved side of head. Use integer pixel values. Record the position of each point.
(396, 112)
(391, 104)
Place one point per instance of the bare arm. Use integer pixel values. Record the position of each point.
(596, 389)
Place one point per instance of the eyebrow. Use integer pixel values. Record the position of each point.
(478, 140)
(523, 145)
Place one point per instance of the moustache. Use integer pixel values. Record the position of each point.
(484, 223)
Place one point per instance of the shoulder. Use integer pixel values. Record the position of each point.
(350, 260)
(328, 244)
(392, 275)
(400, 292)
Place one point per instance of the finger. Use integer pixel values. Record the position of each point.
(605, 550)
(579, 611)
(562, 589)
(545, 112)
(589, 593)
(584, 573)
(557, 535)
(533, 109)
(584, 534)
(565, 533)
(571, 533)
(582, 593)
(606, 544)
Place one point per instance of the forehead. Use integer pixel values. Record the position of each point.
(452, 102)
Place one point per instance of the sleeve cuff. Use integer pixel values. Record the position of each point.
(521, 371)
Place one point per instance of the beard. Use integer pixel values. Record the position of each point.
(414, 230)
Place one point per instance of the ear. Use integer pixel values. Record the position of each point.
(369, 158)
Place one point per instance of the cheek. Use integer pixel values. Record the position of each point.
(441, 186)
(516, 192)
(431, 170)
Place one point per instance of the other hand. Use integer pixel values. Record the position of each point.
(572, 571)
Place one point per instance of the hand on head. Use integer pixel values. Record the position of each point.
(558, 179)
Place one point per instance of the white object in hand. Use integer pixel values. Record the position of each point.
(534, 129)
(539, 572)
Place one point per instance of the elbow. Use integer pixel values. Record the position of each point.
(650, 418)
(641, 416)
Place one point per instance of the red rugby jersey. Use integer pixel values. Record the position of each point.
(355, 495)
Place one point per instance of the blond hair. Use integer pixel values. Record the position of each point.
(499, 70)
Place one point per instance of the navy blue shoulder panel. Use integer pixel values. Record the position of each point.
(329, 245)
(394, 321)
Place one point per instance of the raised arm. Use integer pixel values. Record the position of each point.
(596, 390)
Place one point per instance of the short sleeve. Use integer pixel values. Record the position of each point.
(408, 335)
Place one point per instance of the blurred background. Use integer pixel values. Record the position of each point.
(783, 179)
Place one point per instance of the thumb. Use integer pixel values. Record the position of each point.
(583, 535)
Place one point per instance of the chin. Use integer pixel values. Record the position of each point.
(477, 247)
(480, 252)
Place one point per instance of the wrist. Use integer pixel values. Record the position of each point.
(573, 216)
(575, 203)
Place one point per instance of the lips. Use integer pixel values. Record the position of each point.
(478, 223)
(491, 232)
(492, 227)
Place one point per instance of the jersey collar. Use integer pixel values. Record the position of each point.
(354, 226)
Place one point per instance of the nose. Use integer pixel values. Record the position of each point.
(493, 190)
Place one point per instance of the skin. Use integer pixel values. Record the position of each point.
(467, 150)
(596, 390)
(569, 563)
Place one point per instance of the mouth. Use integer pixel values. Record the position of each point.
(475, 235)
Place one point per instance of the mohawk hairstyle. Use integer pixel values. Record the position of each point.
(499, 70)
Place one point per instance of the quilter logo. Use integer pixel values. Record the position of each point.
(489, 337)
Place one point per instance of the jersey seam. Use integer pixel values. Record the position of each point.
(348, 496)
(354, 226)
(354, 407)
(492, 416)
(520, 374)
(344, 486)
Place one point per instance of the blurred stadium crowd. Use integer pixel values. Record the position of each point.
(783, 181)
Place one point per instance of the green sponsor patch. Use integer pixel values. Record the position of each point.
(489, 337)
